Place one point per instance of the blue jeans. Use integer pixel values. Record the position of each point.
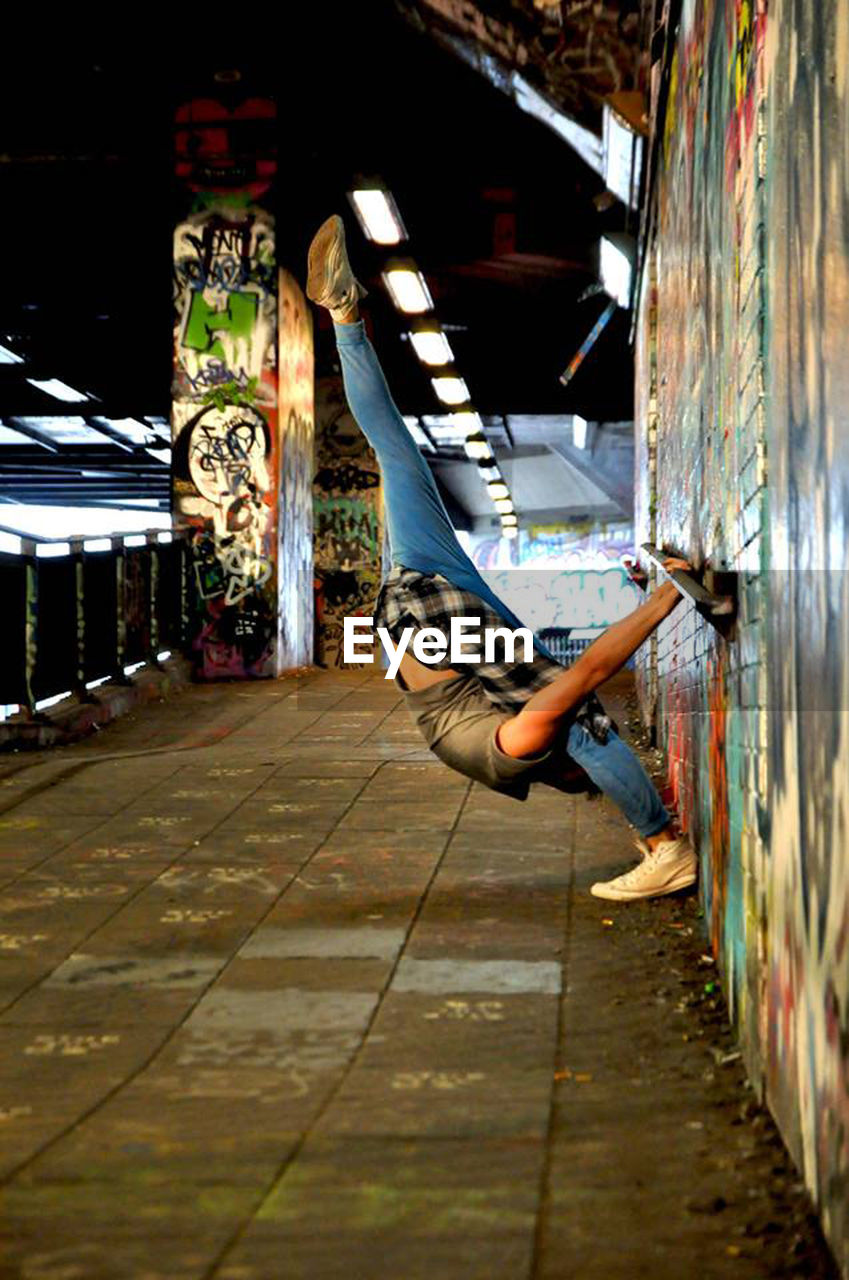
(422, 537)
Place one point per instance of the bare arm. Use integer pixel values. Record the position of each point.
(535, 727)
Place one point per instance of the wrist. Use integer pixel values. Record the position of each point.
(669, 595)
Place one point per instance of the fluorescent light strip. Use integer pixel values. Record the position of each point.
(503, 506)
(408, 290)
(378, 216)
(432, 347)
(450, 389)
(477, 447)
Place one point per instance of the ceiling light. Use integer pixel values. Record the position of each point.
(469, 421)
(408, 290)
(9, 357)
(507, 520)
(431, 346)
(488, 471)
(503, 506)
(477, 446)
(615, 269)
(509, 531)
(378, 215)
(450, 389)
(58, 390)
(622, 156)
(498, 489)
(579, 431)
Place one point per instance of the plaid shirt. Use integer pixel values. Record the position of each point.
(412, 599)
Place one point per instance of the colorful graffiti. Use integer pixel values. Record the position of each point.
(807, 940)
(348, 513)
(240, 471)
(561, 546)
(750, 256)
(297, 411)
(569, 598)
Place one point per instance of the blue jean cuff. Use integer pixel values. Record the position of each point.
(656, 827)
(349, 335)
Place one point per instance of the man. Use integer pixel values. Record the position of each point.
(507, 724)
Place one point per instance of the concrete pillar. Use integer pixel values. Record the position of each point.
(242, 435)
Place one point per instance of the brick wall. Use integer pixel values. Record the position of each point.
(743, 465)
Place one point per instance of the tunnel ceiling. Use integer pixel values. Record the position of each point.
(578, 52)
(504, 217)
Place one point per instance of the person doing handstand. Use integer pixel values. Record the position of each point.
(505, 724)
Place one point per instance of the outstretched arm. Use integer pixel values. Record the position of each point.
(535, 727)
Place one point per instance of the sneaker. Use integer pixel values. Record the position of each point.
(330, 280)
(666, 869)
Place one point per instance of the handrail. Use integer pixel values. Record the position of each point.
(76, 617)
(714, 604)
(85, 537)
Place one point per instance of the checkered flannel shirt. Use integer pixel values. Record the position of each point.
(412, 599)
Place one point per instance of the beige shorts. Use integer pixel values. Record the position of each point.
(459, 724)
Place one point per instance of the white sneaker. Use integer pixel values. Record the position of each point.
(665, 869)
(330, 280)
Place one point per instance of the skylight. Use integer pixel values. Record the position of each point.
(57, 389)
(64, 430)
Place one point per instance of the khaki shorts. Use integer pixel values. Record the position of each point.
(459, 723)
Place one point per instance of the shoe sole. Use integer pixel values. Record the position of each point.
(329, 231)
(684, 881)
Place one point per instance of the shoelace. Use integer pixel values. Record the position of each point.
(636, 873)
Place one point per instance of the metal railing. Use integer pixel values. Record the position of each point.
(80, 610)
(562, 645)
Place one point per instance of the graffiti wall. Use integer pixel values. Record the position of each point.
(348, 515)
(807, 963)
(583, 546)
(238, 469)
(743, 340)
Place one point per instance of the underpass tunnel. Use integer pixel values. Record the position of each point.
(604, 256)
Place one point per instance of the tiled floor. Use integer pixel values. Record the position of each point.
(285, 999)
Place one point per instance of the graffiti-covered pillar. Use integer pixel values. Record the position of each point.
(236, 477)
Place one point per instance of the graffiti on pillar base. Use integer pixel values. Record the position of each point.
(348, 522)
(223, 493)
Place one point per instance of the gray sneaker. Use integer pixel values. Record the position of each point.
(666, 869)
(330, 281)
